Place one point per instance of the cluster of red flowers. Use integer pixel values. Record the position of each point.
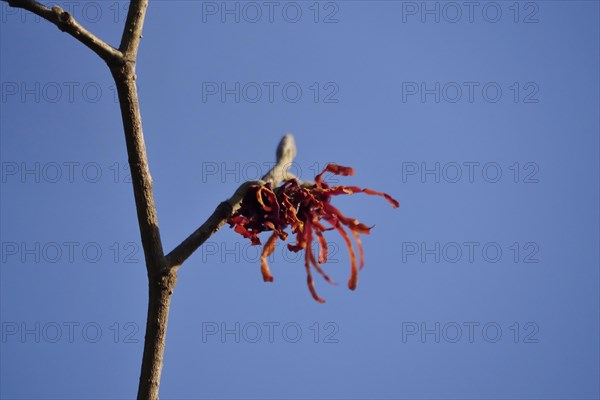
(302, 207)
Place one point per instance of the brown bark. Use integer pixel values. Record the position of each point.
(161, 280)
(159, 300)
(124, 76)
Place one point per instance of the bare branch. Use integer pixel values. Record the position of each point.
(161, 281)
(132, 33)
(286, 151)
(66, 23)
(161, 288)
(138, 165)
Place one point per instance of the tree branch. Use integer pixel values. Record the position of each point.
(286, 151)
(161, 280)
(161, 288)
(66, 23)
(141, 179)
(132, 33)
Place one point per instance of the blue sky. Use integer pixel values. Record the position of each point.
(481, 120)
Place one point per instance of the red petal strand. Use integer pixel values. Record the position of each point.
(395, 203)
(353, 281)
(253, 236)
(337, 190)
(372, 192)
(323, 250)
(242, 231)
(320, 270)
(361, 254)
(270, 196)
(274, 202)
(312, 258)
(267, 251)
(311, 286)
(290, 212)
(260, 199)
(334, 169)
(270, 225)
(300, 243)
(309, 280)
(321, 227)
(339, 169)
(294, 247)
(350, 222)
(238, 219)
(319, 177)
(356, 226)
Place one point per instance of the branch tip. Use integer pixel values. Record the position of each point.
(286, 148)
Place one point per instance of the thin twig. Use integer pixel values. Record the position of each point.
(67, 23)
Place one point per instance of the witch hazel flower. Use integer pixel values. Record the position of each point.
(306, 209)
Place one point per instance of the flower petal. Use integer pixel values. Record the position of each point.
(320, 270)
(353, 281)
(395, 203)
(361, 254)
(334, 169)
(253, 236)
(323, 250)
(267, 251)
(270, 196)
(352, 223)
(309, 280)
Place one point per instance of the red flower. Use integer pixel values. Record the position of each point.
(302, 207)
